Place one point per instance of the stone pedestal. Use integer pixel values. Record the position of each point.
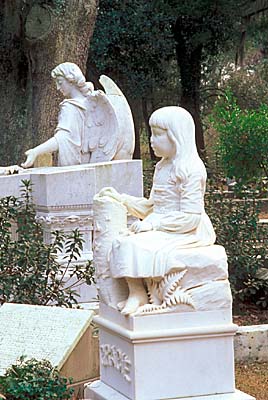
(63, 197)
(166, 356)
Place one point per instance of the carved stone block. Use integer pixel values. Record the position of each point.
(166, 356)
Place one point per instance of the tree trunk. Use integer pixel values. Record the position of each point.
(190, 62)
(46, 37)
(135, 106)
(146, 117)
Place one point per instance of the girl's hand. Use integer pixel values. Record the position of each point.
(110, 192)
(141, 226)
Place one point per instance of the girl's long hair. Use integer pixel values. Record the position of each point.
(74, 75)
(180, 129)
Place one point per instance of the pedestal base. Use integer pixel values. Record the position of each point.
(99, 391)
(186, 355)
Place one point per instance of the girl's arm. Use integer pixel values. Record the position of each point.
(191, 198)
(177, 222)
(139, 207)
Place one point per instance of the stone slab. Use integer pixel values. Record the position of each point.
(173, 321)
(99, 391)
(251, 343)
(75, 185)
(40, 332)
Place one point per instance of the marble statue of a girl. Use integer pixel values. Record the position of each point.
(172, 218)
(91, 124)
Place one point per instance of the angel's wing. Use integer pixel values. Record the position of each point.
(126, 138)
(101, 128)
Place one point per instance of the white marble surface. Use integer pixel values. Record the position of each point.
(99, 391)
(40, 332)
(196, 350)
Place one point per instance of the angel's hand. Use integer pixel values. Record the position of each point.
(141, 226)
(110, 192)
(31, 156)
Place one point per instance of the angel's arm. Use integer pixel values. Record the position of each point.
(49, 146)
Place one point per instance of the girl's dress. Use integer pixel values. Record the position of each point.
(177, 215)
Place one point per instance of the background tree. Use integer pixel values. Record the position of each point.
(132, 43)
(139, 42)
(136, 43)
(36, 35)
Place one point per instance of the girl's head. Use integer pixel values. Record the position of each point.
(180, 128)
(73, 74)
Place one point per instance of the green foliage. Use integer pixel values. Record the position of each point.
(205, 23)
(255, 289)
(132, 42)
(135, 40)
(34, 380)
(29, 270)
(246, 242)
(243, 139)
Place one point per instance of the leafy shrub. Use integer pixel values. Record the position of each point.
(246, 242)
(29, 270)
(243, 139)
(34, 380)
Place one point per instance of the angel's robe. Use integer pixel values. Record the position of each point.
(70, 132)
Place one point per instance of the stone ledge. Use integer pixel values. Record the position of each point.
(100, 391)
(251, 343)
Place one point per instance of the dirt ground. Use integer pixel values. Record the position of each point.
(253, 379)
(250, 315)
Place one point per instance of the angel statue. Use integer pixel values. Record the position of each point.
(93, 126)
(173, 218)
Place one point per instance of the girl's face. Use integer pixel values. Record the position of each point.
(63, 86)
(161, 143)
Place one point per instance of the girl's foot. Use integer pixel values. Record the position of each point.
(121, 305)
(134, 302)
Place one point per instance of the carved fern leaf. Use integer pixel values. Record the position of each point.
(170, 283)
(180, 296)
(168, 292)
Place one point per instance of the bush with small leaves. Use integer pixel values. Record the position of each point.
(34, 380)
(243, 139)
(29, 269)
(246, 242)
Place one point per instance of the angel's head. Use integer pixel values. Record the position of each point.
(68, 75)
(179, 127)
